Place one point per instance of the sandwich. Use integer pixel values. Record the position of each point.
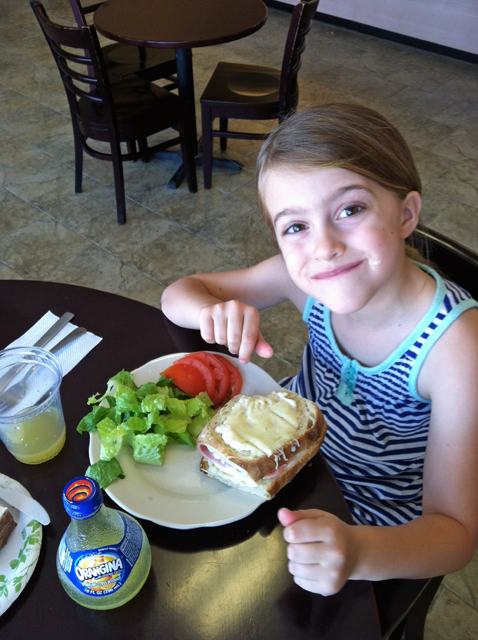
(259, 443)
(7, 525)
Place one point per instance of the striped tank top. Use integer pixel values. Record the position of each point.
(377, 421)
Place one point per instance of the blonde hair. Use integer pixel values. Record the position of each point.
(347, 136)
(341, 135)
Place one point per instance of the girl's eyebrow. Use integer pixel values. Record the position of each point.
(336, 194)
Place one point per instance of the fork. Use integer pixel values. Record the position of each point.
(16, 393)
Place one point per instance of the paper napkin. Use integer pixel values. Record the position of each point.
(70, 355)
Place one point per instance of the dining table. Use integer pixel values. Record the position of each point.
(181, 25)
(224, 582)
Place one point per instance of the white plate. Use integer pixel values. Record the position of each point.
(178, 495)
(19, 556)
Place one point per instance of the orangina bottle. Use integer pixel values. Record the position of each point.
(104, 556)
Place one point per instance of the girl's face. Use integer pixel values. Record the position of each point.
(341, 234)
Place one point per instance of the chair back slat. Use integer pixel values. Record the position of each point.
(453, 260)
(92, 83)
(294, 48)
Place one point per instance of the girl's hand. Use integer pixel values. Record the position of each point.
(322, 551)
(235, 325)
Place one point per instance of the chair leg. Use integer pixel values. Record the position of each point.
(207, 145)
(119, 182)
(143, 147)
(188, 163)
(131, 146)
(78, 160)
(223, 127)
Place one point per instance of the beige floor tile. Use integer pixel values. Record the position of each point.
(143, 227)
(38, 247)
(74, 209)
(464, 583)
(451, 619)
(14, 151)
(283, 327)
(146, 291)
(8, 274)
(95, 265)
(458, 221)
(430, 165)
(423, 132)
(177, 254)
(34, 178)
(461, 145)
(16, 213)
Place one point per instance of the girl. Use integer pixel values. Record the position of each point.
(392, 358)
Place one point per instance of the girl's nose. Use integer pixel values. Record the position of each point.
(328, 244)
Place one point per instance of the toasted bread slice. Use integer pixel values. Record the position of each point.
(7, 524)
(259, 443)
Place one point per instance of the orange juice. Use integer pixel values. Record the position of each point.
(38, 439)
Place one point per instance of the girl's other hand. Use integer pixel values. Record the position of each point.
(322, 551)
(236, 325)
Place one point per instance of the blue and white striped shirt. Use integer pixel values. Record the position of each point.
(377, 421)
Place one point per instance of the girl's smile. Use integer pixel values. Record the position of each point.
(341, 234)
(338, 271)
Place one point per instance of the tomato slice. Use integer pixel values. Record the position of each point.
(235, 378)
(220, 371)
(187, 378)
(205, 370)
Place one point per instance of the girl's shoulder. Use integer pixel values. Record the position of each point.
(456, 345)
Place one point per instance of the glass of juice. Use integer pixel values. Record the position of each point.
(32, 426)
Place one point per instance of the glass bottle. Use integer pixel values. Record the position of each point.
(104, 556)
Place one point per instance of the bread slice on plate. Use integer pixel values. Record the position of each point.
(7, 525)
(259, 443)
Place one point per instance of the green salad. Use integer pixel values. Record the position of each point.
(144, 418)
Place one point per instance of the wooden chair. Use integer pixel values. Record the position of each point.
(124, 60)
(403, 604)
(128, 110)
(250, 92)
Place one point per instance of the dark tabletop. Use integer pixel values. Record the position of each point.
(221, 583)
(179, 24)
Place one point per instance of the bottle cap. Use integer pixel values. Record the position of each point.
(82, 498)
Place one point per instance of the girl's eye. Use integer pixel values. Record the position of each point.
(350, 211)
(294, 228)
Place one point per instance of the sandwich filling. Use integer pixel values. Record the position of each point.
(256, 427)
(260, 426)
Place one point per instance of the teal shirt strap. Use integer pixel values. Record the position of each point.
(462, 306)
(308, 308)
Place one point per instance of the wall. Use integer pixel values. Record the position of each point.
(451, 23)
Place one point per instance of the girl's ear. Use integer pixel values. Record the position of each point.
(410, 213)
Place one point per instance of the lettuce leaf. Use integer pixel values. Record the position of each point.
(105, 472)
(145, 418)
(149, 448)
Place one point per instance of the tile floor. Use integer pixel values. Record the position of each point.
(47, 232)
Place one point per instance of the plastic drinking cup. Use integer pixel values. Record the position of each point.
(32, 429)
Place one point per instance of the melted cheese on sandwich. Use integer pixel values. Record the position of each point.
(260, 425)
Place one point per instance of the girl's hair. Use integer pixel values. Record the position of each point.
(347, 136)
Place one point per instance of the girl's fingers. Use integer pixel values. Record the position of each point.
(263, 348)
(310, 554)
(250, 334)
(207, 330)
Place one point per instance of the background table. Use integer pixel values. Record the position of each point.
(220, 583)
(180, 25)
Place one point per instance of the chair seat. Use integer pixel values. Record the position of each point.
(141, 107)
(124, 60)
(243, 86)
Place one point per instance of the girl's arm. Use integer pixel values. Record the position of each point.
(324, 552)
(224, 305)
